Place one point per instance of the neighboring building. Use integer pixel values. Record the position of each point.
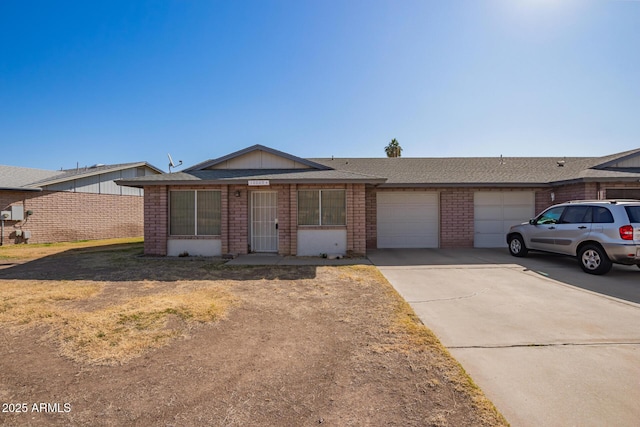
(42, 206)
(263, 200)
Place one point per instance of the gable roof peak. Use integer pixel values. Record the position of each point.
(257, 147)
(612, 159)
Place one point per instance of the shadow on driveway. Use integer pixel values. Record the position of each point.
(621, 282)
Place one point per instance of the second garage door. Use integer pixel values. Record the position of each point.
(407, 219)
(495, 212)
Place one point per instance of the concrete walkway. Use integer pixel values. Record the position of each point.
(545, 352)
(274, 259)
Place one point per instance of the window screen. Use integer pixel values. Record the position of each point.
(194, 213)
(322, 207)
(182, 213)
(333, 207)
(308, 207)
(208, 213)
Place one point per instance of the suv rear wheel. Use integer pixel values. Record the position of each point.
(594, 260)
(516, 246)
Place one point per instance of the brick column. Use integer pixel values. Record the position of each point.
(371, 217)
(358, 218)
(456, 218)
(284, 223)
(238, 219)
(156, 221)
(350, 219)
(293, 218)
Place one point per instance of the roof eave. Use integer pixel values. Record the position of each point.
(90, 173)
(236, 181)
(596, 179)
(20, 189)
(465, 184)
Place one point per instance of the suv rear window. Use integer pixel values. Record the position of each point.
(633, 212)
(602, 215)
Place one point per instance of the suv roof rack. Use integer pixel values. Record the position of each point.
(610, 201)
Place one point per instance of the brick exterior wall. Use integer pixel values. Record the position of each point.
(355, 214)
(284, 223)
(580, 191)
(293, 218)
(358, 224)
(60, 216)
(371, 215)
(349, 217)
(155, 220)
(238, 219)
(235, 218)
(456, 218)
(456, 213)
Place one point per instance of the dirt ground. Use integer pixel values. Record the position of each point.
(299, 346)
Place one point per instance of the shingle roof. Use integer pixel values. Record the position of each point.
(439, 171)
(232, 176)
(407, 171)
(403, 171)
(14, 178)
(19, 178)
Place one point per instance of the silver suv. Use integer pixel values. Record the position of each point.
(599, 233)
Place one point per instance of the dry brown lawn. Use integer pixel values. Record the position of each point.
(93, 333)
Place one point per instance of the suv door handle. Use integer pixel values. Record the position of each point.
(552, 228)
(582, 227)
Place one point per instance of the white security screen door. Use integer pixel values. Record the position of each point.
(264, 222)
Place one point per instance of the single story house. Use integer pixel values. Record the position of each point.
(263, 200)
(44, 206)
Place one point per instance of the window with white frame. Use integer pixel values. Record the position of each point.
(322, 207)
(194, 213)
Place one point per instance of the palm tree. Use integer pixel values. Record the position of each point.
(393, 149)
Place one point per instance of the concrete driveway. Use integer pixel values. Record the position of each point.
(546, 352)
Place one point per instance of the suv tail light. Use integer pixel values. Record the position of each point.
(626, 232)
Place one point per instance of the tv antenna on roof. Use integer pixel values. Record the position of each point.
(171, 164)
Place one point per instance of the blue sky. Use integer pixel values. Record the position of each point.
(85, 82)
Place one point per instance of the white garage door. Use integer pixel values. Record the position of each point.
(495, 212)
(407, 219)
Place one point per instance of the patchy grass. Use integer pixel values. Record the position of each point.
(29, 302)
(110, 335)
(119, 333)
(31, 251)
(142, 343)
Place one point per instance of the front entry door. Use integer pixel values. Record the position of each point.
(264, 222)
